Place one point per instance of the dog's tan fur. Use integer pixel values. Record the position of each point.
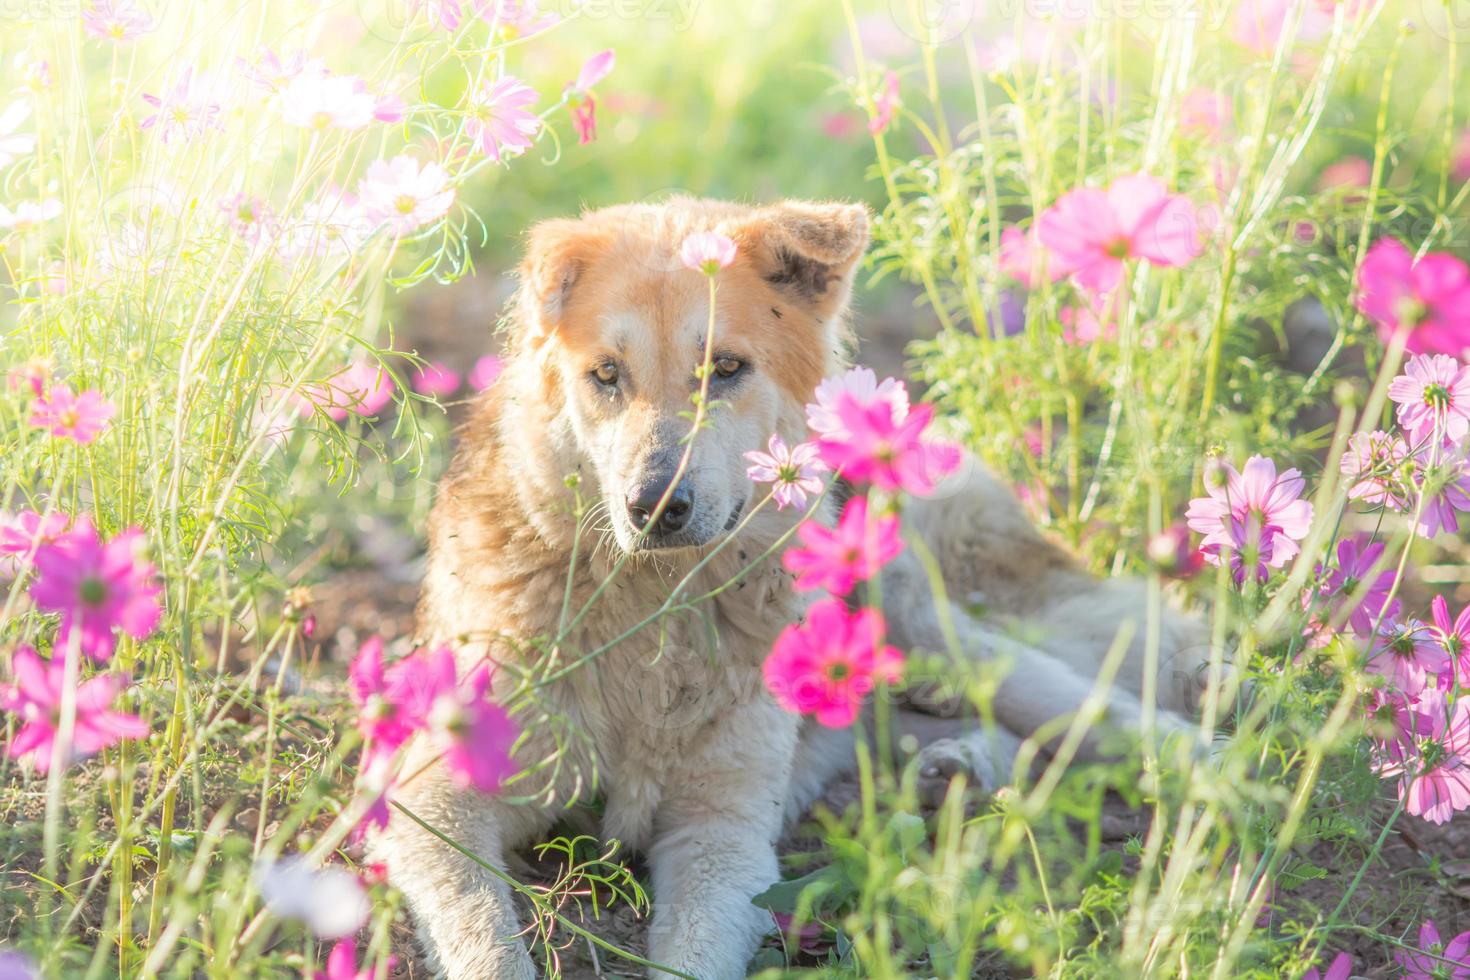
(698, 766)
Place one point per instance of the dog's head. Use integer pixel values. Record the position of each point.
(613, 326)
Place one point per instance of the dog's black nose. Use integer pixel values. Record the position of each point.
(677, 509)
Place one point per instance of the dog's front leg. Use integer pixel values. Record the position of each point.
(715, 844)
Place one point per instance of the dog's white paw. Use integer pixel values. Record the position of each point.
(941, 761)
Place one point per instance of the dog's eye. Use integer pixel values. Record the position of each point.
(728, 367)
(606, 373)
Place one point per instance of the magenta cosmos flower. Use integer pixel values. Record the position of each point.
(320, 101)
(1356, 564)
(890, 454)
(1256, 506)
(580, 100)
(1433, 398)
(1434, 960)
(403, 194)
(35, 698)
(1444, 478)
(486, 371)
(98, 587)
(389, 702)
(498, 123)
(342, 964)
(707, 252)
(474, 733)
(1406, 656)
(1430, 297)
(71, 416)
(1341, 968)
(435, 379)
(862, 384)
(1090, 232)
(827, 666)
(796, 471)
(836, 559)
(116, 20)
(30, 531)
(1454, 638)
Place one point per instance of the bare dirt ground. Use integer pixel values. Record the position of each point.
(1419, 863)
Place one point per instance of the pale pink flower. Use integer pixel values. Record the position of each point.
(1428, 297)
(1444, 477)
(116, 20)
(1373, 462)
(497, 122)
(1341, 968)
(33, 374)
(98, 587)
(1021, 255)
(1255, 507)
(1091, 320)
(332, 224)
(796, 471)
(1205, 112)
(861, 384)
(442, 13)
(29, 214)
(185, 112)
(436, 380)
(580, 100)
(828, 665)
(389, 107)
(515, 19)
(1258, 25)
(362, 388)
(1454, 639)
(1348, 173)
(250, 218)
(15, 145)
(1406, 655)
(1171, 552)
(320, 101)
(890, 455)
(70, 416)
(35, 699)
(29, 531)
(885, 104)
(1435, 960)
(405, 195)
(707, 252)
(1090, 233)
(1459, 166)
(35, 73)
(836, 559)
(486, 371)
(331, 901)
(1433, 398)
(271, 72)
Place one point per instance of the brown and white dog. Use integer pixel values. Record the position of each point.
(698, 767)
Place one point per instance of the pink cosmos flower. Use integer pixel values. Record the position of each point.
(1435, 960)
(342, 964)
(1090, 233)
(1430, 297)
(332, 224)
(1258, 25)
(404, 195)
(1372, 462)
(70, 416)
(836, 559)
(250, 218)
(887, 454)
(1205, 112)
(387, 710)
(33, 374)
(498, 123)
(1020, 255)
(30, 531)
(36, 697)
(1090, 321)
(15, 145)
(1406, 655)
(116, 20)
(1341, 968)
(186, 112)
(97, 587)
(796, 471)
(435, 379)
(707, 252)
(885, 104)
(1348, 173)
(579, 96)
(1454, 639)
(1172, 554)
(360, 389)
(1445, 480)
(861, 384)
(319, 100)
(828, 665)
(1356, 562)
(1255, 506)
(474, 733)
(29, 214)
(1433, 397)
(485, 372)
(515, 19)
(272, 72)
(442, 13)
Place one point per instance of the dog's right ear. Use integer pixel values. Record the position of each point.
(557, 252)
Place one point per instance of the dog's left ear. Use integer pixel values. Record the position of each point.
(808, 250)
